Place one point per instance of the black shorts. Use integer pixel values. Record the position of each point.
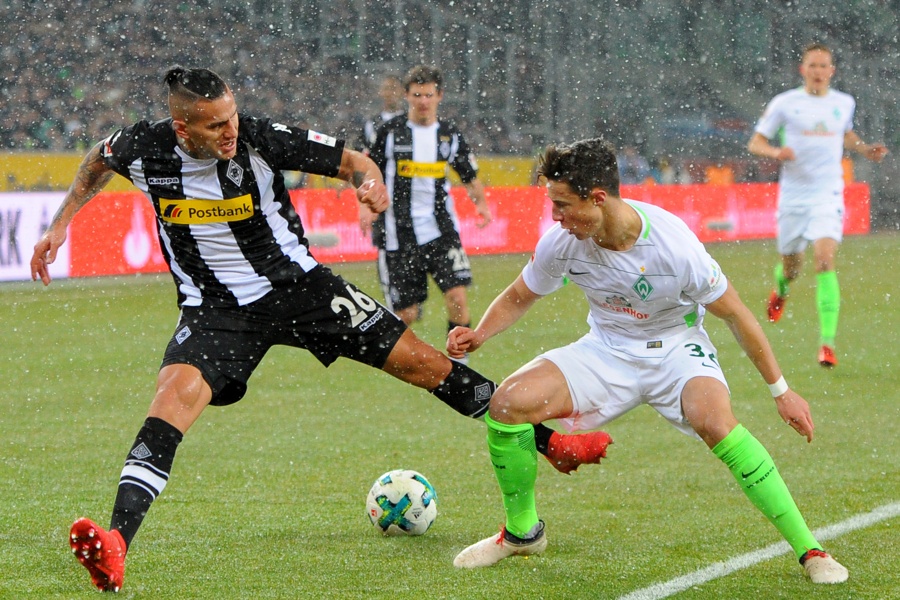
(322, 313)
(404, 272)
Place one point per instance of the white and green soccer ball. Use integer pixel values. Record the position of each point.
(402, 502)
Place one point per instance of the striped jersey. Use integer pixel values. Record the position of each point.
(370, 129)
(414, 160)
(227, 228)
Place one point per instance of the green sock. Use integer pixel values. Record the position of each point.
(757, 475)
(514, 457)
(782, 285)
(828, 301)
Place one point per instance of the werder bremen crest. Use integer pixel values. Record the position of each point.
(642, 287)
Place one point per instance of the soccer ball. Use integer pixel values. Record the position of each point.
(402, 502)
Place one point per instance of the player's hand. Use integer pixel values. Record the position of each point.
(366, 218)
(876, 152)
(484, 211)
(785, 153)
(373, 194)
(45, 254)
(794, 411)
(461, 340)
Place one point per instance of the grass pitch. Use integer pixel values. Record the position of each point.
(267, 497)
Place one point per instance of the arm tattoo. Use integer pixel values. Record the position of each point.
(92, 176)
(358, 178)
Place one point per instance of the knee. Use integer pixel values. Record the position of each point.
(714, 430)
(506, 407)
(824, 264)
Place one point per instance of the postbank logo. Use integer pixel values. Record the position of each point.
(409, 168)
(191, 211)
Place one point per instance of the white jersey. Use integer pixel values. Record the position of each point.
(652, 291)
(814, 127)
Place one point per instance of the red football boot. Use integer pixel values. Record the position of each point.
(101, 552)
(775, 306)
(827, 357)
(568, 452)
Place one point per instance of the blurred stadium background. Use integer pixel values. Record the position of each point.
(683, 81)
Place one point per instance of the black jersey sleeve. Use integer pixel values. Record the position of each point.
(144, 139)
(121, 148)
(377, 149)
(464, 162)
(290, 148)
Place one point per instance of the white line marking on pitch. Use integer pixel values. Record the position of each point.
(679, 584)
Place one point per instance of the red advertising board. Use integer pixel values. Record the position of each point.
(116, 233)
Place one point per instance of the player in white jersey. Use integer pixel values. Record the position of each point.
(649, 282)
(815, 126)
(246, 282)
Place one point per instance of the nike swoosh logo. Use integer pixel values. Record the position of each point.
(571, 272)
(746, 475)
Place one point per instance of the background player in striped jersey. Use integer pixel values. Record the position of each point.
(648, 282)
(392, 94)
(246, 281)
(815, 124)
(418, 235)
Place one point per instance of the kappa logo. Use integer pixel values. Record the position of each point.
(235, 173)
(141, 452)
(163, 181)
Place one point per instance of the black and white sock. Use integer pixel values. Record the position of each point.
(144, 475)
(468, 392)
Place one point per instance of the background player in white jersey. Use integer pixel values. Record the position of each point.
(246, 281)
(815, 123)
(418, 235)
(648, 282)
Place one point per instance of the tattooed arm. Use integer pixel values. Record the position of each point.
(92, 176)
(359, 170)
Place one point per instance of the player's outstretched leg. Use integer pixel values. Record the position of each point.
(468, 392)
(568, 452)
(101, 552)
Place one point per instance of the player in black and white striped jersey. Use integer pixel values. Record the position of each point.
(418, 235)
(245, 281)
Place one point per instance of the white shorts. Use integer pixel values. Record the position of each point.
(800, 225)
(605, 383)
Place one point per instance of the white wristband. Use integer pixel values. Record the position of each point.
(779, 387)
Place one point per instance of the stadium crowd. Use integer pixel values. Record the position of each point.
(76, 70)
